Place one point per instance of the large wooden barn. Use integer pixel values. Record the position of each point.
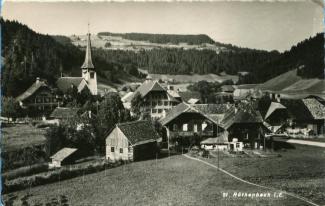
(132, 141)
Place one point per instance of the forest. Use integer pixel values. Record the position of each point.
(27, 55)
(163, 38)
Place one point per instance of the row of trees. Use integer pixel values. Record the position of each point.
(163, 38)
(262, 65)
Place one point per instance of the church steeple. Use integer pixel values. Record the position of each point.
(88, 63)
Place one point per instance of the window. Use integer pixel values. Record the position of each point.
(154, 103)
(237, 145)
(166, 103)
(175, 127)
(121, 150)
(160, 103)
(204, 125)
(92, 75)
(195, 128)
(154, 111)
(185, 127)
(159, 110)
(112, 149)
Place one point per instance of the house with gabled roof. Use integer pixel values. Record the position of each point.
(132, 141)
(306, 116)
(156, 99)
(39, 99)
(193, 121)
(245, 124)
(63, 114)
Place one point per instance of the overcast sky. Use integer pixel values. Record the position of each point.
(261, 25)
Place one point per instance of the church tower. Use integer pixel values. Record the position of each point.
(88, 72)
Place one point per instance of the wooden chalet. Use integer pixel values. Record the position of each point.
(198, 121)
(132, 141)
(39, 99)
(245, 124)
(157, 101)
(64, 114)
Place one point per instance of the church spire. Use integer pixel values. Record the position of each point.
(88, 63)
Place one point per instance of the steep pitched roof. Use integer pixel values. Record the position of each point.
(31, 90)
(244, 113)
(213, 112)
(145, 88)
(63, 153)
(273, 106)
(175, 112)
(297, 109)
(64, 83)
(138, 131)
(64, 112)
(316, 109)
(88, 64)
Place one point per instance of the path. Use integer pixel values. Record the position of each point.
(304, 142)
(250, 183)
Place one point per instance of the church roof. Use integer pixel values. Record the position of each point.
(64, 83)
(88, 63)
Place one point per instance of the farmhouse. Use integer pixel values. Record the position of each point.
(64, 114)
(306, 116)
(187, 121)
(156, 100)
(63, 157)
(245, 124)
(39, 99)
(132, 141)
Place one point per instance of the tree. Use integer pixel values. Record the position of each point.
(137, 104)
(10, 108)
(111, 111)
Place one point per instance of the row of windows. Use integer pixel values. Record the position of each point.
(153, 111)
(121, 149)
(45, 99)
(185, 127)
(160, 103)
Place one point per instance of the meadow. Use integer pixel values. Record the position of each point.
(173, 180)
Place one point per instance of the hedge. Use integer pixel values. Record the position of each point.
(56, 175)
(25, 171)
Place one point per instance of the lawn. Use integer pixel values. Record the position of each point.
(169, 181)
(22, 135)
(300, 170)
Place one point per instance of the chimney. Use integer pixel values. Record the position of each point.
(37, 80)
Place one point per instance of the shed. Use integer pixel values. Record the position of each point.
(132, 141)
(63, 156)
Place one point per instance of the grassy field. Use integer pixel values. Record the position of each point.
(300, 170)
(18, 136)
(169, 181)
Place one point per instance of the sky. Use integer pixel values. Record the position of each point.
(260, 25)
